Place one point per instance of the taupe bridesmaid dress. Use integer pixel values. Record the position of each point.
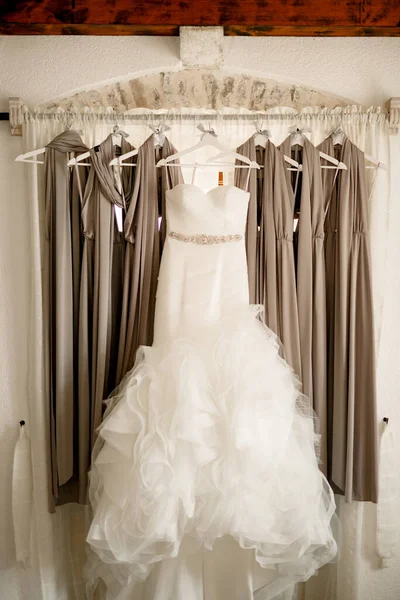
(310, 278)
(352, 418)
(254, 186)
(270, 254)
(143, 247)
(62, 214)
(101, 292)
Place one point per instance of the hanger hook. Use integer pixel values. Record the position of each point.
(259, 126)
(70, 120)
(205, 131)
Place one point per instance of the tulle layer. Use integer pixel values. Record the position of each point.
(209, 437)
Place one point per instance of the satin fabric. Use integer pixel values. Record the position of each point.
(100, 293)
(310, 279)
(144, 241)
(352, 417)
(61, 280)
(269, 245)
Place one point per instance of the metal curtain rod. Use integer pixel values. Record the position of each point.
(177, 117)
(18, 115)
(162, 117)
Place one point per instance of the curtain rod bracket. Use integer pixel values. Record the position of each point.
(393, 107)
(15, 110)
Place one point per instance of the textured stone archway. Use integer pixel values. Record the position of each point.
(198, 88)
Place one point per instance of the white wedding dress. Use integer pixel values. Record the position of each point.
(205, 482)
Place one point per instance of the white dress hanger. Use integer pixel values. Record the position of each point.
(159, 138)
(28, 155)
(297, 139)
(261, 136)
(295, 165)
(77, 162)
(260, 139)
(338, 137)
(118, 160)
(117, 135)
(159, 133)
(208, 138)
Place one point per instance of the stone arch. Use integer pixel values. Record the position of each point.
(198, 88)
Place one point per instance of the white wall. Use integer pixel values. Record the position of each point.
(39, 69)
(14, 295)
(378, 583)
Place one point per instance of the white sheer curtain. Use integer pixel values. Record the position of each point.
(58, 549)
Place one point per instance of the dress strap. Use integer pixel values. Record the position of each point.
(194, 172)
(248, 179)
(331, 194)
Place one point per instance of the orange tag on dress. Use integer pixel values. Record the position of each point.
(220, 178)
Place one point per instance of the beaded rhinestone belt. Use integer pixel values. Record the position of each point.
(204, 239)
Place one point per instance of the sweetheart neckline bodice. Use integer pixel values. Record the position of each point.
(220, 211)
(197, 187)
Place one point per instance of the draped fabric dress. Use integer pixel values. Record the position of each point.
(310, 278)
(352, 418)
(143, 247)
(269, 245)
(205, 483)
(62, 274)
(100, 293)
(254, 186)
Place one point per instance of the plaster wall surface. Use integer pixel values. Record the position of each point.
(40, 69)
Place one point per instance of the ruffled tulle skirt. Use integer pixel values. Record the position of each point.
(209, 437)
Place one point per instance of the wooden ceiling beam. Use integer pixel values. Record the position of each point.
(238, 17)
(173, 30)
(312, 31)
(84, 29)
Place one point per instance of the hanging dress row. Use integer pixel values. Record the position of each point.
(101, 286)
(144, 244)
(315, 285)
